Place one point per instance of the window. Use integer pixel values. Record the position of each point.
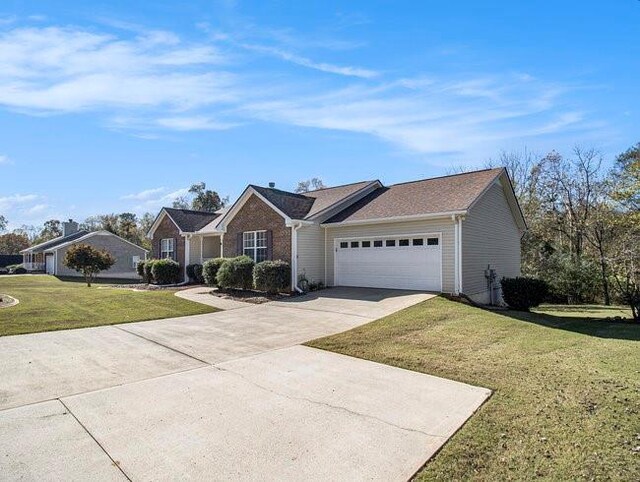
(403, 242)
(433, 241)
(390, 243)
(254, 245)
(344, 244)
(366, 244)
(418, 242)
(377, 244)
(355, 244)
(167, 248)
(134, 262)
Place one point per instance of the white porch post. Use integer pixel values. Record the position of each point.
(201, 249)
(187, 254)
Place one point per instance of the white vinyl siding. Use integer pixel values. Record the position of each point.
(489, 236)
(311, 253)
(195, 252)
(442, 225)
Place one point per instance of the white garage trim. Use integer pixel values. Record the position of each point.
(338, 240)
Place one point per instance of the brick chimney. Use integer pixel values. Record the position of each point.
(69, 227)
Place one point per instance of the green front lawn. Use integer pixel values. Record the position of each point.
(566, 402)
(47, 303)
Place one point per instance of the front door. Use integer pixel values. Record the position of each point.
(50, 264)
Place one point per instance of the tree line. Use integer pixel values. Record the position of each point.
(583, 223)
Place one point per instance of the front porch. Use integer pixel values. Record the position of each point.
(33, 261)
(201, 248)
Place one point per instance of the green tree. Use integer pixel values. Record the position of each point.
(88, 260)
(3, 223)
(13, 243)
(626, 172)
(205, 199)
(50, 230)
(127, 227)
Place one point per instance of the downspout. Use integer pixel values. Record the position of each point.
(294, 256)
(460, 254)
(456, 252)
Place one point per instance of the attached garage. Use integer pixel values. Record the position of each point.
(407, 261)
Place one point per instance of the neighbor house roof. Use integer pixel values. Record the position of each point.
(189, 221)
(428, 196)
(53, 243)
(308, 204)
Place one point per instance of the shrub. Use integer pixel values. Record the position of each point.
(236, 273)
(523, 293)
(272, 276)
(140, 270)
(210, 270)
(147, 270)
(194, 273)
(165, 271)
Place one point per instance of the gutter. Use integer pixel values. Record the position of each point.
(395, 219)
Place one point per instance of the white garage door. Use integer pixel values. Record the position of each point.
(401, 262)
(49, 263)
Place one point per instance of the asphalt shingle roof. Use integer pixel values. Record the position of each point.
(305, 205)
(427, 196)
(57, 241)
(190, 221)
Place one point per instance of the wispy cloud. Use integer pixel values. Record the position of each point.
(5, 159)
(154, 198)
(148, 81)
(348, 71)
(10, 202)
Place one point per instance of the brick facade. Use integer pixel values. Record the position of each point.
(255, 215)
(165, 230)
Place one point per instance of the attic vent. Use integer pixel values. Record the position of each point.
(272, 185)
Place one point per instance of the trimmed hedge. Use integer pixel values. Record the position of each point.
(194, 272)
(210, 270)
(236, 273)
(272, 276)
(165, 271)
(523, 293)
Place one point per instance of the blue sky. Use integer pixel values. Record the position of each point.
(120, 106)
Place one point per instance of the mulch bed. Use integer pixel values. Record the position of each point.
(249, 296)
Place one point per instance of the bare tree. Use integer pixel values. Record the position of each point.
(310, 185)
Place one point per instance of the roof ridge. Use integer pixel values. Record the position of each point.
(343, 185)
(448, 175)
(299, 194)
(195, 211)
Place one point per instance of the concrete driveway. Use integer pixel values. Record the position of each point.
(229, 395)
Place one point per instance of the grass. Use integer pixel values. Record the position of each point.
(566, 402)
(48, 303)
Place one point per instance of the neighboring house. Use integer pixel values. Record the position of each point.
(49, 256)
(438, 234)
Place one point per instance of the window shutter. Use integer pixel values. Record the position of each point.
(269, 244)
(175, 249)
(239, 246)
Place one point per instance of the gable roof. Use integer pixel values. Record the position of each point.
(52, 243)
(188, 220)
(308, 204)
(455, 193)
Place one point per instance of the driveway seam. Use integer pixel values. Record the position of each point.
(284, 305)
(95, 440)
(162, 345)
(328, 405)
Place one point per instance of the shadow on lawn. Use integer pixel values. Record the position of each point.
(620, 330)
(97, 281)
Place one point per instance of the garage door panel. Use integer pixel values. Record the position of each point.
(406, 267)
